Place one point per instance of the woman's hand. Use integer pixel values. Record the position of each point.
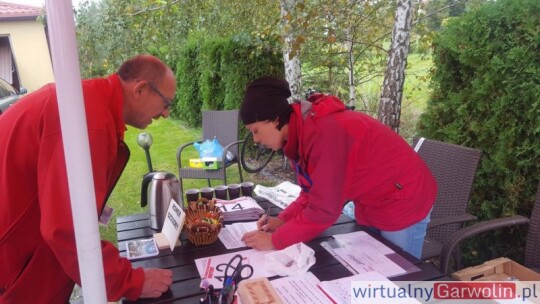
(269, 226)
(259, 240)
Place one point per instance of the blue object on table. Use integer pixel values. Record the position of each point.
(348, 209)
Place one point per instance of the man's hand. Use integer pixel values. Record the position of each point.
(259, 240)
(156, 282)
(272, 224)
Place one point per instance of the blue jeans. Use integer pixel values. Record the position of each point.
(410, 239)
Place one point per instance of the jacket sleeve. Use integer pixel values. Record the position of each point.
(295, 207)
(317, 210)
(56, 219)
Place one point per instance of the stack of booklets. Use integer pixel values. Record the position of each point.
(241, 209)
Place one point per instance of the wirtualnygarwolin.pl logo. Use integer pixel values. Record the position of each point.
(467, 292)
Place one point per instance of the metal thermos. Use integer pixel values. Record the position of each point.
(158, 188)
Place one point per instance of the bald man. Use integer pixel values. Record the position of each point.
(38, 253)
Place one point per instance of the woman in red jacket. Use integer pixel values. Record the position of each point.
(339, 156)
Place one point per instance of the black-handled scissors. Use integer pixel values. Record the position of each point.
(238, 271)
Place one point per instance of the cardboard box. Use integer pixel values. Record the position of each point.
(211, 163)
(196, 163)
(501, 269)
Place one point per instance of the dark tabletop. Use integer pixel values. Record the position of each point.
(186, 279)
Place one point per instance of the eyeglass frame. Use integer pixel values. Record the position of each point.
(168, 102)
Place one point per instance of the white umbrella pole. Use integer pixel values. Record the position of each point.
(76, 148)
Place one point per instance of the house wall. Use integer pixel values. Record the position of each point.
(30, 52)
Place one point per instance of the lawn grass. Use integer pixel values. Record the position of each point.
(168, 135)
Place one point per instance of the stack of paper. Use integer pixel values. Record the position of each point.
(360, 252)
(281, 195)
(240, 209)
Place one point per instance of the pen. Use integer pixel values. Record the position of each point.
(266, 219)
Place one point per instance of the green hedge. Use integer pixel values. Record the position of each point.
(486, 95)
(188, 102)
(212, 73)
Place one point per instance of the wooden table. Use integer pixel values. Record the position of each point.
(186, 279)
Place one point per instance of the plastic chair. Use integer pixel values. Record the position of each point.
(532, 244)
(454, 167)
(224, 126)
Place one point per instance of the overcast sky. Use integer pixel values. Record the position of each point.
(38, 3)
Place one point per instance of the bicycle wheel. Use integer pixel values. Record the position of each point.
(254, 157)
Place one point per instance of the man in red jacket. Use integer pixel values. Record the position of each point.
(38, 254)
(339, 156)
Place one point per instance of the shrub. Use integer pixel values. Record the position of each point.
(486, 95)
(212, 73)
(189, 102)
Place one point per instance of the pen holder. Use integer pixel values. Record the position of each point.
(203, 222)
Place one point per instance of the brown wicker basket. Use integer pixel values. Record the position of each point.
(203, 222)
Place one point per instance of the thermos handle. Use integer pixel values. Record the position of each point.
(144, 187)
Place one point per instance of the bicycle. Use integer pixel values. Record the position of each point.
(254, 157)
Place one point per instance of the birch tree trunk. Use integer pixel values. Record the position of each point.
(349, 36)
(291, 50)
(394, 77)
(351, 61)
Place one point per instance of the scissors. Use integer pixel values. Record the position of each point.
(238, 271)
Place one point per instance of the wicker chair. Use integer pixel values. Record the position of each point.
(224, 126)
(454, 168)
(532, 244)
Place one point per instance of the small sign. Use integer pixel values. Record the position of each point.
(174, 221)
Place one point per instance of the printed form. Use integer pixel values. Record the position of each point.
(360, 252)
(231, 235)
(300, 289)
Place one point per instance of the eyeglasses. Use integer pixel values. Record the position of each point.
(166, 101)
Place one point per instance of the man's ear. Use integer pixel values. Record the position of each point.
(139, 87)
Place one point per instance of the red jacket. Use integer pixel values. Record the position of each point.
(348, 155)
(38, 255)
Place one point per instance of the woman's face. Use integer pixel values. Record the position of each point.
(267, 134)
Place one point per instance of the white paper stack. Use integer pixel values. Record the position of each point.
(240, 209)
(281, 195)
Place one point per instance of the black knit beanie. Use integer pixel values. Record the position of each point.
(265, 99)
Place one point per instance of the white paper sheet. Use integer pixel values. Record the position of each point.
(360, 252)
(281, 195)
(231, 235)
(340, 290)
(300, 289)
(363, 239)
